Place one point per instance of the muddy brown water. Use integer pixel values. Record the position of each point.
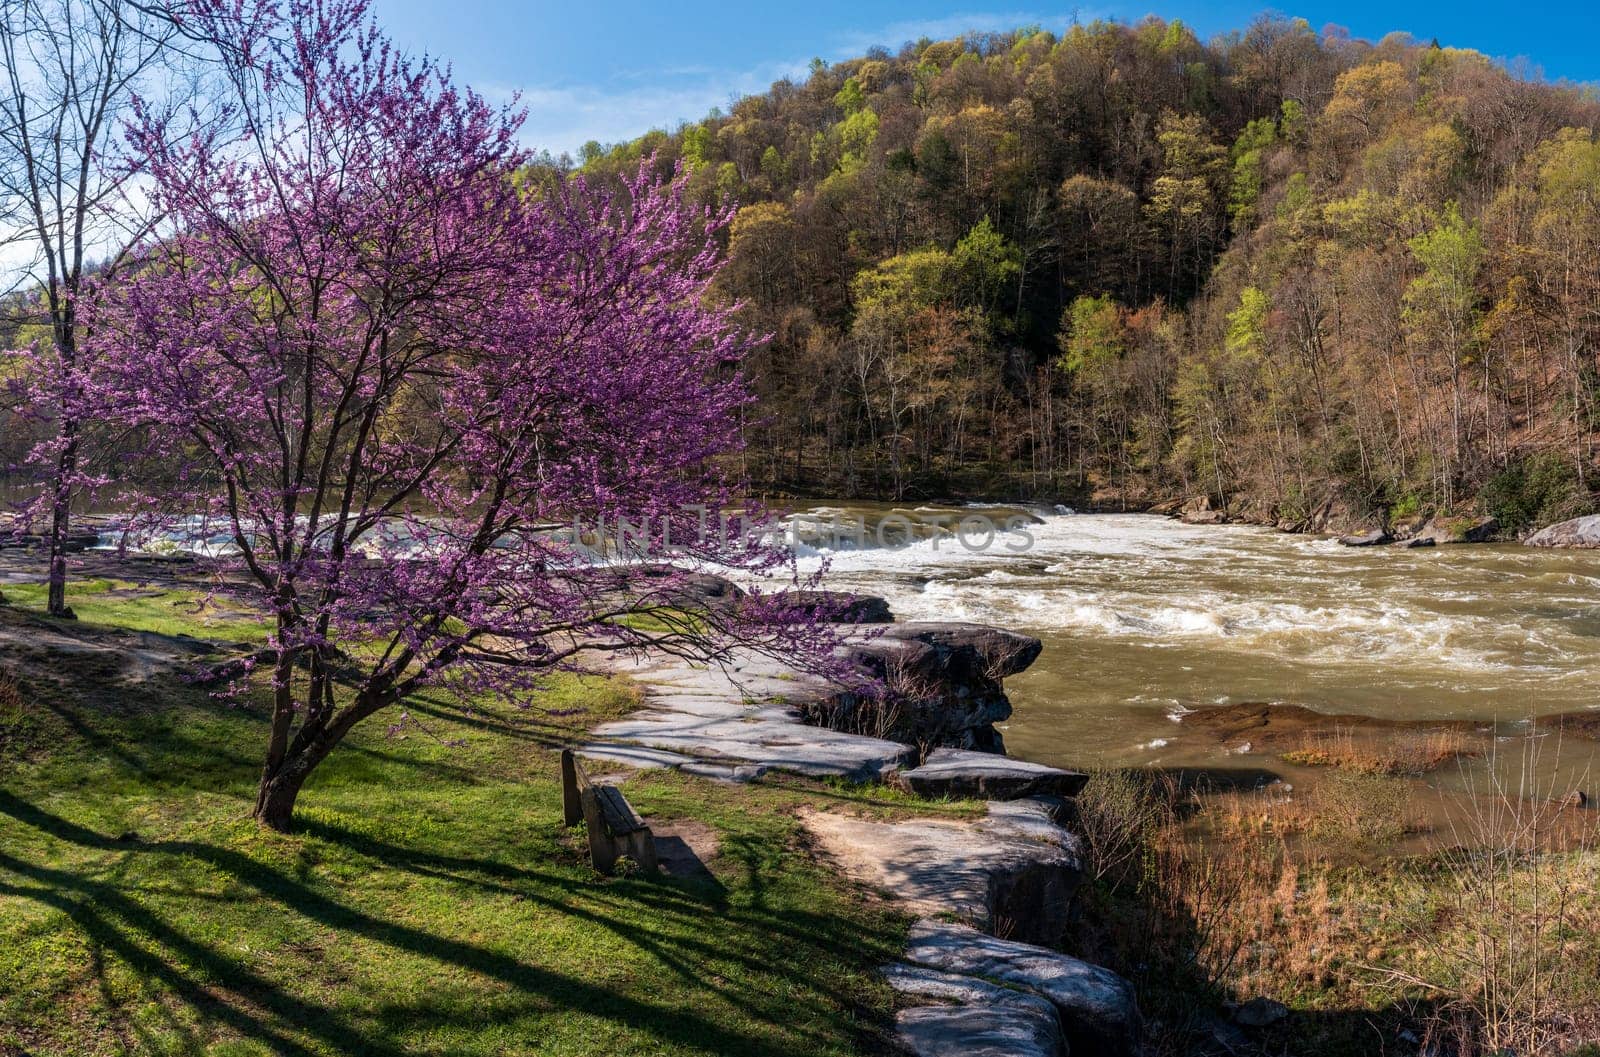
(1145, 620)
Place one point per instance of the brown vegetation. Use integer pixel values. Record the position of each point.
(1393, 753)
(1486, 947)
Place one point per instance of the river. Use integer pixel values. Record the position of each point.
(1145, 618)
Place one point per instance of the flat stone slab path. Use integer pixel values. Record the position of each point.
(972, 1018)
(1012, 872)
(1097, 1007)
(1015, 868)
(736, 722)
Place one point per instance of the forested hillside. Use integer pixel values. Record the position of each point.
(1277, 268)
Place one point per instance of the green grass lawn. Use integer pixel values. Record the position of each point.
(117, 603)
(430, 902)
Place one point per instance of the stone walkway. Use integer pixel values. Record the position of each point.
(1011, 874)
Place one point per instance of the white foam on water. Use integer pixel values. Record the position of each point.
(1154, 581)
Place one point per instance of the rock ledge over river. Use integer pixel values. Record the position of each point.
(1017, 868)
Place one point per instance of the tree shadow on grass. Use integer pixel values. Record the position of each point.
(671, 922)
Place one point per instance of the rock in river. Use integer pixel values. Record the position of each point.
(1581, 532)
(1375, 538)
(1458, 530)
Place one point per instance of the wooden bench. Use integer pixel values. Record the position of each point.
(615, 828)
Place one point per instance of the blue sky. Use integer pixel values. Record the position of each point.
(611, 70)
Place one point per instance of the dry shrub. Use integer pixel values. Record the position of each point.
(1190, 913)
(1120, 813)
(1504, 934)
(1397, 753)
(1341, 807)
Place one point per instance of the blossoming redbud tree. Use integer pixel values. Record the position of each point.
(381, 364)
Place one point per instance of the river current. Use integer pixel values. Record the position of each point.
(1144, 618)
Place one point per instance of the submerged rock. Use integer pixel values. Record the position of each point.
(1272, 726)
(1099, 1014)
(960, 773)
(1582, 533)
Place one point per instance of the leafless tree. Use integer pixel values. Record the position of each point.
(70, 204)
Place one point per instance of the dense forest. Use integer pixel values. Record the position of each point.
(1280, 269)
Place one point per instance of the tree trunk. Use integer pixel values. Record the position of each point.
(279, 789)
(286, 768)
(61, 521)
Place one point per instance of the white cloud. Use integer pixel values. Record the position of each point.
(564, 117)
(947, 26)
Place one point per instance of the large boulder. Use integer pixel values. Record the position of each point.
(1458, 530)
(1375, 538)
(972, 1018)
(1582, 533)
(942, 683)
(1099, 1013)
(960, 773)
(1334, 515)
(939, 651)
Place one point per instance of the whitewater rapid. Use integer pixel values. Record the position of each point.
(1146, 613)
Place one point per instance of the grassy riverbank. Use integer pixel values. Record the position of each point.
(430, 902)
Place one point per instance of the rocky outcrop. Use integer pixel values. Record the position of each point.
(947, 651)
(1457, 530)
(943, 684)
(736, 722)
(71, 543)
(1582, 533)
(1016, 866)
(1014, 871)
(1098, 1011)
(972, 1018)
(959, 773)
(1199, 511)
(1375, 538)
(746, 717)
